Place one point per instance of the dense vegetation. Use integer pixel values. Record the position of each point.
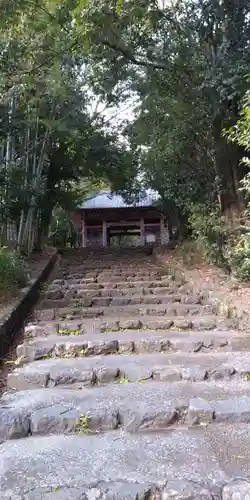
(13, 272)
(180, 65)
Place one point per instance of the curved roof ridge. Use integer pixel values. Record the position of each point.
(105, 199)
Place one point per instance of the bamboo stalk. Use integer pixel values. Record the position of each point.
(36, 176)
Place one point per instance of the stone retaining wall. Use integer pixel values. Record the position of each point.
(11, 324)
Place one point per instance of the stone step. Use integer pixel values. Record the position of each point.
(114, 309)
(118, 465)
(108, 270)
(142, 322)
(174, 299)
(72, 346)
(119, 280)
(172, 293)
(105, 264)
(88, 307)
(111, 278)
(127, 273)
(104, 253)
(135, 407)
(139, 265)
(123, 270)
(155, 305)
(133, 327)
(104, 257)
(165, 367)
(91, 284)
(179, 384)
(119, 266)
(62, 287)
(123, 297)
(147, 322)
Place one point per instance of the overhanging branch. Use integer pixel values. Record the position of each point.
(130, 57)
(157, 65)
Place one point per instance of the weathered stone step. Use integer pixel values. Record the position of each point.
(136, 407)
(172, 294)
(124, 466)
(133, 327)
(97, 267)
(144, 278)
(96, 370)
(144, 322)
(127, 273)
(114, 297)
(106, 271)
(133, 310)
(85, 308)
(116, 260)
(174, 299)
(103, 254)
(114, 279)
(124, 270)
(81, 289)
(141, 323)
(91, 284)
(71, 346)
(64, 289)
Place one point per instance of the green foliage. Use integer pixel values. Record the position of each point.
(189, 252)
(181, 67)
(13, 272)
(210, 232)
(240, 133)
(239, 252)
(186, 64)
(49, 137)
(82, 425)
(239, 257)
(62, 232)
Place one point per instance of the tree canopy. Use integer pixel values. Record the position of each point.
(181, 65)
(187, 60)
(49, 139)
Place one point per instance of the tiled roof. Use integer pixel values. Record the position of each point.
(105, 199)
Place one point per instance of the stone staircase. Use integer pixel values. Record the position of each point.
(129, 386)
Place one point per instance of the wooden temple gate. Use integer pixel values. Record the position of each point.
(97, 223)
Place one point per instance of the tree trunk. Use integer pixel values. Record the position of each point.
(170, 229)
(229, 175)
(47, 204)
(43, 228)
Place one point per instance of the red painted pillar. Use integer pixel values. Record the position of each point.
(142, 231)
(84, 231)
(104, 234)
(162, 229)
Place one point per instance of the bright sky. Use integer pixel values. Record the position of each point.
(114, 116)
